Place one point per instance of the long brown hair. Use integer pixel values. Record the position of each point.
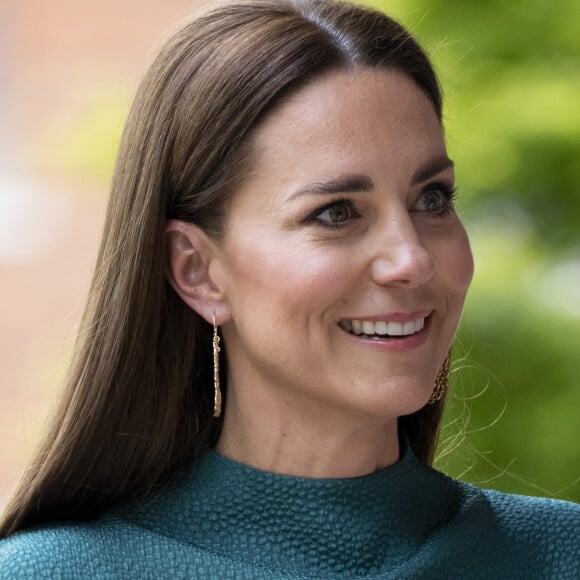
(138, 397)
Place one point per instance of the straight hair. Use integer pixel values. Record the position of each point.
(138, 396)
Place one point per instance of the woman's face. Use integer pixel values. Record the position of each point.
(344, 264)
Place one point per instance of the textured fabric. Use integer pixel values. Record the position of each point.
(222, 519)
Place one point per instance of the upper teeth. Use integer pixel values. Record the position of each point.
(383, 327)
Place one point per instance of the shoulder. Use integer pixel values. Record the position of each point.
(490, 534)
(112, 548)
(539, 520)
(98, 549)
(542, 534)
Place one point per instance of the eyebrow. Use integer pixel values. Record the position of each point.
(348, 184)
(363, 183)
(433, 168)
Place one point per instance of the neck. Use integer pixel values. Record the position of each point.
(306, 440)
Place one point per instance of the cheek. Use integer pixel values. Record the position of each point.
(287, 279)
(457, 263)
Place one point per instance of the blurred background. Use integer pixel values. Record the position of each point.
(511, 77)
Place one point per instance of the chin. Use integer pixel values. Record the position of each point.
(397, 401)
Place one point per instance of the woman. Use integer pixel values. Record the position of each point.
(281, 234)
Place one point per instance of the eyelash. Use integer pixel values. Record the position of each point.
(314, 217)
(448, 193)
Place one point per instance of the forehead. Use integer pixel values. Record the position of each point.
(349, 109)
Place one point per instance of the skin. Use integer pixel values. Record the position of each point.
(304, 396)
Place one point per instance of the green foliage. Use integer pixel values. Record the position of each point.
(512, 83)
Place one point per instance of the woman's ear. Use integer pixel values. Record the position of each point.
(190, 253)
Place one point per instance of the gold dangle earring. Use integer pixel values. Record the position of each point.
(441, 381)
(217, 397)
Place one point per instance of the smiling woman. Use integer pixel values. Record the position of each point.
(370, 241)
(283, 196)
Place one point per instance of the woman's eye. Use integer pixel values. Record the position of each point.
(437, 201)
(335, 214)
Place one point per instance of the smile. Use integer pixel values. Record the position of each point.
(382, 328)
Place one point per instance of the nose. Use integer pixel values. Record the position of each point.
(402, 260)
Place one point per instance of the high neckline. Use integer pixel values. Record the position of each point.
(332, 526)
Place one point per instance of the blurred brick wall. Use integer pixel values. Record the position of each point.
(54, 50)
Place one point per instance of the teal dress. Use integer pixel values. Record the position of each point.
(221, 519)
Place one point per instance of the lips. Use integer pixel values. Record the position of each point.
(383, 328)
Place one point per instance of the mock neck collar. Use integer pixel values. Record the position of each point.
(302, 525)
